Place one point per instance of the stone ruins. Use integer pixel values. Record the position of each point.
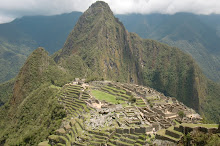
(133, 117)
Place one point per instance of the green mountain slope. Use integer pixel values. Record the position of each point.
(196, 35)
(33, 111)
(21, 36)
(100, 41)
(6, 91)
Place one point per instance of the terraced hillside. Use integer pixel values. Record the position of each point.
(73, 99)
(112, 113)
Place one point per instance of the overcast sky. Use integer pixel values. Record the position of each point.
(11, 9)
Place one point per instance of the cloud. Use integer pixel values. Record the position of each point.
(165, 6)
(10, 9)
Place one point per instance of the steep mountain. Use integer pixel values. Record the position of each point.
(21, 36)
(100, 41)
(33, 111)
(99, 47)
(6, 91)
(196, 35)
(213, 21)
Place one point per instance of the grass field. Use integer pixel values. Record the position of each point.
(201, 125)
(100, 95)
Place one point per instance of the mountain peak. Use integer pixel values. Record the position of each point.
(98, 10)
(100, 5)
(30, 73)
(96, 23)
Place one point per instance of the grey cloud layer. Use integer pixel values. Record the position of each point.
(10, 9)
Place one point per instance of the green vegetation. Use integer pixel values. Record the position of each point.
(112, 57)
(162, 132)
(99, 46)
(194, 34)
(200, 138)
(157, 65)
(33, 112)
(100, 95)
(194, 138)
(201, 125)
(6, 90)
(21, 36)
(201, 44)
(174, 76)
(132, 99)
(36, 118)
(181, 114)
(177, 123)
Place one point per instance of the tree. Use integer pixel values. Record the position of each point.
(181, 114)
(219, 126)
(132, 99)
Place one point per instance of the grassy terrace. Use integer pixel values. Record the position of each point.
(162, 133)
(44, 143)
(73, 105)
(174, 131)
(140, 103)
(118, 92)
(151, 97)
(200, 125)
(100, 95)
(115, 89)
(127, 139)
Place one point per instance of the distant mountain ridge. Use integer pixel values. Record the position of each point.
(197, 35)
(21, 36)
